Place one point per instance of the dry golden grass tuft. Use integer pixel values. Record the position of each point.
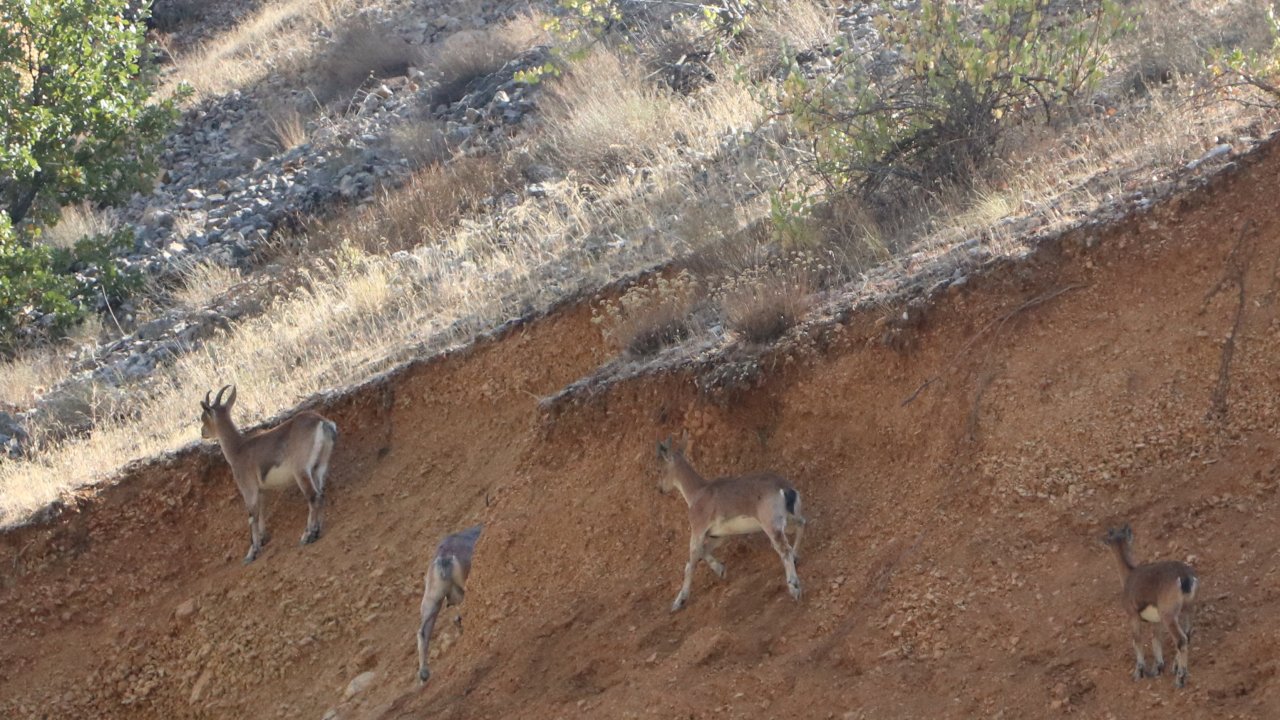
(761, 300)
(426, 209)
(27, 376)
(286, 127)
(201, 282)
(650, 316)
(76, 222)
(467, 56)
(276, 38)
(421, 141)
(602, 116)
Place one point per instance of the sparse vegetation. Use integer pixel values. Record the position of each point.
(651, 316)
(759, 304)
(286, 128)
(934, 117)
(633, 169)
(202, 281)
(360, 52)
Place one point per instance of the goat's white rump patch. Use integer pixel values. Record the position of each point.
(1150, 613)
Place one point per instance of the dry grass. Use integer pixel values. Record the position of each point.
(23, 379)
(650, 316)
(76, 222)
(360, 51)
(286, 128)
(470, 263)
(469, 55)
(201, 282)
(275, 39)
(426, 209)
(602, 117)
(421, 141)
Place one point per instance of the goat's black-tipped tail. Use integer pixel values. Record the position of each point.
(789, 496)
(1188, 584)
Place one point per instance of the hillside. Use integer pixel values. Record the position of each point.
(953, 566)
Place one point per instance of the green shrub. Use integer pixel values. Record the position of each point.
(933, 114)
(44, 290)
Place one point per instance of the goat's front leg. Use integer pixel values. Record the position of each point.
(253, 503)
(708, 547)
(695, 554)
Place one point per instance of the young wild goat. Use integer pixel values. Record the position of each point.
(1157, 592)
(446, 584)
(731, 506)
(296, 450)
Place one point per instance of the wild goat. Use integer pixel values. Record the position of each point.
(296, 450)
(731, 506)
(446, 584)
(1157, 592)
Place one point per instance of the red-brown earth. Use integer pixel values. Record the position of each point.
(953, 566)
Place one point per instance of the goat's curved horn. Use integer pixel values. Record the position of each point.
(231, 397)
(218, 400)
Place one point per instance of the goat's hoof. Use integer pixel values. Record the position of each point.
(1157, 670)
(718, 570)
(794, 589)
(424, 675)
(309, 537)
(678, 605)
(1139, 672)
(253, 555)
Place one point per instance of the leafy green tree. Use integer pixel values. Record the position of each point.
(76, 118)
(77, 123)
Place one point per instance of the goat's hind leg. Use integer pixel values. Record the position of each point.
(1140, 665)
(799, 522)
(778, 537)
(314, 500)
(1180, 671)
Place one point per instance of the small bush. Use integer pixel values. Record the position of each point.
(647, 318)
(931, 113)
(44, 290)
(358, 53)
(601, 117)
(285, 128)
(466, 57)
(168, 16)
(760, 304)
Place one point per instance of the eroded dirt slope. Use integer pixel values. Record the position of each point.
(952, 569)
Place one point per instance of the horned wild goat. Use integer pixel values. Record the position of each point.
(295, 451)
(731, 506)
(446, 584)
(1155, 593)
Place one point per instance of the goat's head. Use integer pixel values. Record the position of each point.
(215, 410)
(666, 456)
(1122, 536)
